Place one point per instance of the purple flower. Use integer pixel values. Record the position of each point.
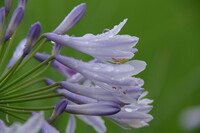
(59, 109)
(33, 125)
(7, 4)
(22, 3)
(67, 72)
(71, 126)
(14, 23)
(106, 47)
(72, 18)
(32, 37)
(2, 17)
(18, 53)
(113, 74)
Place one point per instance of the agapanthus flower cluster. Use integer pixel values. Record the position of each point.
(105, 86)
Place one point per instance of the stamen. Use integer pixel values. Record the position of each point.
(120, 61)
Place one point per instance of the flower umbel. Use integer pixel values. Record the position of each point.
(103, 87)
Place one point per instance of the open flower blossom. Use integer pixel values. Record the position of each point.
(106, 80)
(105, 47)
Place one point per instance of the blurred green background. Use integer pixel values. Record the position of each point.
(169, 32)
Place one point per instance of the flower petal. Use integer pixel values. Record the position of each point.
(71, 126)
(99, 109)
(95, 121)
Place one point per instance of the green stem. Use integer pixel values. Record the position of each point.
(7, 50)
(32, 53)
(31, 98)
(30, 108)
(30, 92)
(14, 110)
(21, 86)
(13, 115)
(28, 73)
(10, 72)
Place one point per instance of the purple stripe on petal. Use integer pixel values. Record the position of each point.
(99, 109)
(71, 126)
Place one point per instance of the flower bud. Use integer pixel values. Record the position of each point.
(59, 109)
(7, 4)
(72, 18)
(14, 23)
(2, 17)
(32, 37)
(22, 3)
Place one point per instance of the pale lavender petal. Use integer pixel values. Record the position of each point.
(72, 18)
(18, 53)
(2, 126)
(99, 109)
(47, 128)
(104, 47)
(14, 23)
(67, 72)
(79, 99)
(33, 125)
(190, 119)
(138, 66)
(71, 126)
(22, 3)
(56, 49)
(102, 94)
(119, 75)
(95, 121)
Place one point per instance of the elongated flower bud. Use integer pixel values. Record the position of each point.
(32, 37)
(72, 18)
(22, 3)
(7, 4)
(2, 17)
(14, 22)
(59, 109)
